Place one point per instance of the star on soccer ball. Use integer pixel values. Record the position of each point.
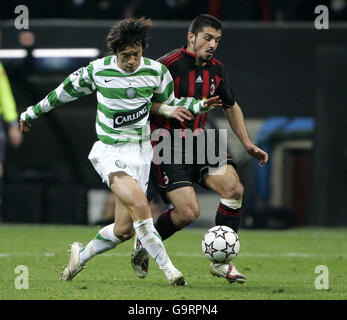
(209, 249)
(229, 250)
(220, 233)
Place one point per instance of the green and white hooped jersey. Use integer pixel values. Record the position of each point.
(124, 99)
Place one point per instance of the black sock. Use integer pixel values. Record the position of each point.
(228, 217)
(165, 226)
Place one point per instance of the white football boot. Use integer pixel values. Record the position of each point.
(227, 271)
(74, 266)
(140, 259)
(173, 275)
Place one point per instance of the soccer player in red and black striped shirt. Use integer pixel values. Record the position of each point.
(198, 74)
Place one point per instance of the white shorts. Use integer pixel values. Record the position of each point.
(132, 158)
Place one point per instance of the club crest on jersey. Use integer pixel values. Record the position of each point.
(129, 117)
(120, 164)
(212, 89)
(166, 179)
(130, 93)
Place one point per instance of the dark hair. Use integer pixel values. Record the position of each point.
(204, 20)
(128, 32)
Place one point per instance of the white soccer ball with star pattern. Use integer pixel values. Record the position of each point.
(220, 244)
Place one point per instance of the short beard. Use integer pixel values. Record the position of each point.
(201, 58)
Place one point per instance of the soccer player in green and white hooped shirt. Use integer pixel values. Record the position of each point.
(125, 84)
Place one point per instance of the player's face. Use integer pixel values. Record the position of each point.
(205, 43)
(129, 58)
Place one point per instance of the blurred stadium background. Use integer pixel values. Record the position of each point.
(288, 77)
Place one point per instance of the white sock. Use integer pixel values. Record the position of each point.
(151, 241)
(232, 204)
(104, 240)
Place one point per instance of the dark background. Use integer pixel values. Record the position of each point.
(271, 67)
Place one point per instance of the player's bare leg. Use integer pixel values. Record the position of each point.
(186, 206)
(107, 238)
(132, 214)
(186, 210)
(225, 181)
(131, 195)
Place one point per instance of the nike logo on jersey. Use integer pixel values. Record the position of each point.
(108, 80)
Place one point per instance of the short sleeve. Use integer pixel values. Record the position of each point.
(225, 92)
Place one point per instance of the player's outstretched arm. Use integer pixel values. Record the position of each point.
(237, 123)
(181, 113)
(177, 112)
(164, 93)
(76, 85)
(196, 106)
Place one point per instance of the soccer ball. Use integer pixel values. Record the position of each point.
(220, 244)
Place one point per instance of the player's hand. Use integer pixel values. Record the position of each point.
(181, 114)
(258, 153)
(15, 136)
(213, 102)
(24, 125)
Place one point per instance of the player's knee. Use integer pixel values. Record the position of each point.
(138, 206)
(125, 236)
(124, 233)
(232, 191)
(190, 214)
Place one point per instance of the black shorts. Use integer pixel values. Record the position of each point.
(168, 177)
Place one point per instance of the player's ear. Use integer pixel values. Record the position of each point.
(190, 38)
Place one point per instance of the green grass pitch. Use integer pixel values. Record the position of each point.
(279, 265)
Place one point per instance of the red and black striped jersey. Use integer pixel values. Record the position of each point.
(191, 80)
